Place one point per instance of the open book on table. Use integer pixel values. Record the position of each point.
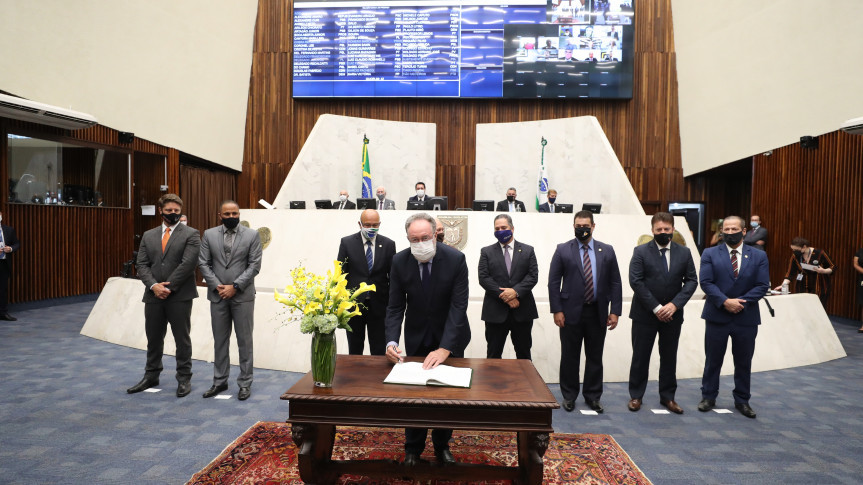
(443, 375)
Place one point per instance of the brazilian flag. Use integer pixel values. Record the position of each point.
(367, 171)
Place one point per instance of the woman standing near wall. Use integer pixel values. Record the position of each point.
(809, 269)
(858, 266)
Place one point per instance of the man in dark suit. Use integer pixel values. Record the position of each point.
(550, 206)
(230, 259)
(510, 204)
(734, 277)
(662, 277)
(429, 290)
(366, 257)
(8, 244)
(343, 203)
(583, 281)
(421, 196)
(166, 263)
(508, 272)
(757, 237)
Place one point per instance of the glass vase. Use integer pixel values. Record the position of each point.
(323, 358)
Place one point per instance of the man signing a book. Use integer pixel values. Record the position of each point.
(434, 280)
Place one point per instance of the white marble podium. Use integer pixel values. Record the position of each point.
(800, 334)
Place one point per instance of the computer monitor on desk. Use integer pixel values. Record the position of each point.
(324, 204)
(297, 204)
(564, 208)
(415, 205)
(595, 208)
(483, 205)
(363, 204)
(438, 203)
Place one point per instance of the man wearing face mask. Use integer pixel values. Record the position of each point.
(439, 232)
(420, 187)
(166, 264)
(757, 236)
(583, 282)
(429, 291)
(662, 277)
(366, 257)
(510, 204)
(343, 203)
(8, 244)
(383, 203)
(734, 277)
(550, 206)
(508, 272)
(230, 259)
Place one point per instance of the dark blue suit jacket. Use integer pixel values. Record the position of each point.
(442, 310)
(566, 281)
(719, 284)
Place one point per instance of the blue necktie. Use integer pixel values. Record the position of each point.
(664, 261)
(369, 257)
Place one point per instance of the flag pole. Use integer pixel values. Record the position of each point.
(542, 187)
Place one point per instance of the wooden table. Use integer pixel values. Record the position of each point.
(505, 395)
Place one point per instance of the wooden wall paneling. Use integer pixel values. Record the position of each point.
(644, 131)
(815, 194)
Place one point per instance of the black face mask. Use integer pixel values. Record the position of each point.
(798, 254)
(732, 239)
(662, 238)
(551, 200)
(171, 219)
(582, 233)
(510, 198)
(230, 222)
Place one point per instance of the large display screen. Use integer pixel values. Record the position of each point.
(469, 49)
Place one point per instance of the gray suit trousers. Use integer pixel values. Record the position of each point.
(241, 316)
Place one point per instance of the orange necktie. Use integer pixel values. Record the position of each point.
(165, 238)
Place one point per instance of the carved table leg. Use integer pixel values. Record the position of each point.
(314, 451)
(531, 449)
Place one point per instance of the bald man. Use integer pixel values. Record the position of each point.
(382, 203)
(366, 256)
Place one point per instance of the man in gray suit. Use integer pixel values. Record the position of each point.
(384, 204)
(662, 277)
(230, 258)
(166, 264)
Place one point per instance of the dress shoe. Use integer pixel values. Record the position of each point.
(568, 405)
(184, 388)
(214, 389)
(745, 410)
(444, 457)
(8, 317)
(859, 330)
(595, 406)
(672, 406)
(411, 459)
(706, 405)
(634, 404)
(144, 383)
(244, 393)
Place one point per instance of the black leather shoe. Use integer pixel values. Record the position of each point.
(411, 459)
(568, 405)
(244, 393)
(214, 389)
(444, 457)
(144, 383)
(8, 317)
(706, 405)
(745, 410)
(184, 388)
(595, 406)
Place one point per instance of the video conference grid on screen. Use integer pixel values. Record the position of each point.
(470, 49)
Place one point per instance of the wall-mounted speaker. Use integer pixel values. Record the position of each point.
(125, 137)
(810, 142)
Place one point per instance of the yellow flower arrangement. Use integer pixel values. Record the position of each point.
(321, 303)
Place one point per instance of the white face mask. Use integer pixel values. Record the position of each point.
(421, 193)
(185, 223)
(343, 198)
(423, 251)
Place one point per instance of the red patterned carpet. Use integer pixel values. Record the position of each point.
(265, 454)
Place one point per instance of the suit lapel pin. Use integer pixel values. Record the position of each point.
(600, 250)
(519, 250)
(745, 255)
(380, 245)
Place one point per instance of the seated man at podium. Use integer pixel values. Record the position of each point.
(421, 197)
(510, 204)
(343, 203)
(550, 205)
(434, 328)
(383, 203)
